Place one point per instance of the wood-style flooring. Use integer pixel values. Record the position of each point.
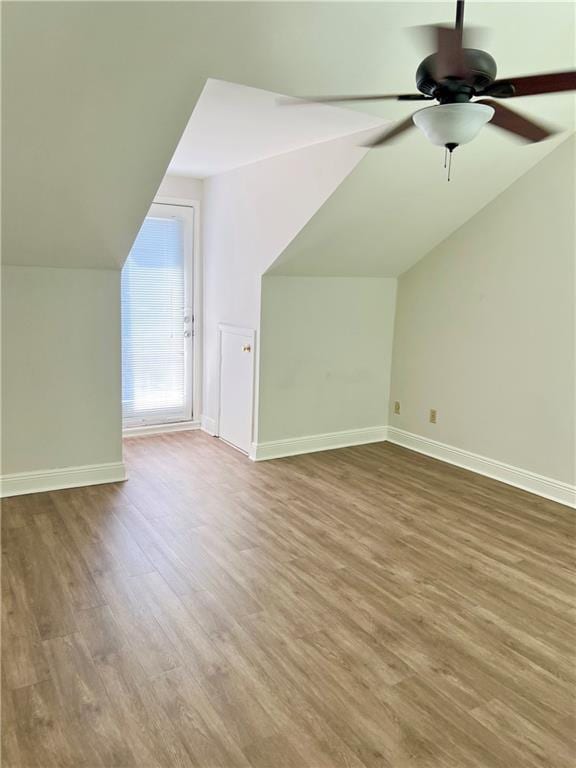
(361, 608)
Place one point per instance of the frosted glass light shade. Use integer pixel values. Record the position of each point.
(452, 123)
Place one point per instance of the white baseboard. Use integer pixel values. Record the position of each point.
(20, 483)
(208, 425)
(563, 493)
(276, 449)
(159, 429)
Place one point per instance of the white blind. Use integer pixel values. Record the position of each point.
(153, 342)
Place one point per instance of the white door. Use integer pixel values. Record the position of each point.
(236, 386)
(157, 320)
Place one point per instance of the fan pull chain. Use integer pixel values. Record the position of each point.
(449, 148)
(445, 156)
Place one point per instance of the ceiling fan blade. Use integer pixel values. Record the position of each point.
(368, 97)
(425, 37)
(450, 60)
(531, 85)
(514, 122)
(446, 43)
(390, 133)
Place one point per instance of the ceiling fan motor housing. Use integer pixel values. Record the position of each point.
(481, 73)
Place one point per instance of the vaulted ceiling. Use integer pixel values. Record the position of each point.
(97, 95)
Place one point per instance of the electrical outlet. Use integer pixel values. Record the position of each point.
(433, 415)
(396, 407)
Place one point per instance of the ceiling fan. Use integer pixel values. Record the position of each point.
(455, 75)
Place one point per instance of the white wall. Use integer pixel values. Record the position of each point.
(485, 329)
(183, 187)
(250, 216)
(61, 390)
(326, 355)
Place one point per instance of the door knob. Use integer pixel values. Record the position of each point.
(246, 348)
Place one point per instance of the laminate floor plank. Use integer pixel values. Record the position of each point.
(138, 627)
(286, 702)
(72, 569)
(36, 572)
(46, 737)
(86, 709)
(208, 739)
(26, 664)
(11, 753)
(362, 608)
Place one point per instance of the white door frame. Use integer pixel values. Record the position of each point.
(196, 274)
(239, 331)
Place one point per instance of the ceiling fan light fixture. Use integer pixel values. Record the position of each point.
(453, 124)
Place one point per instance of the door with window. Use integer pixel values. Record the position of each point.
(158, 320)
